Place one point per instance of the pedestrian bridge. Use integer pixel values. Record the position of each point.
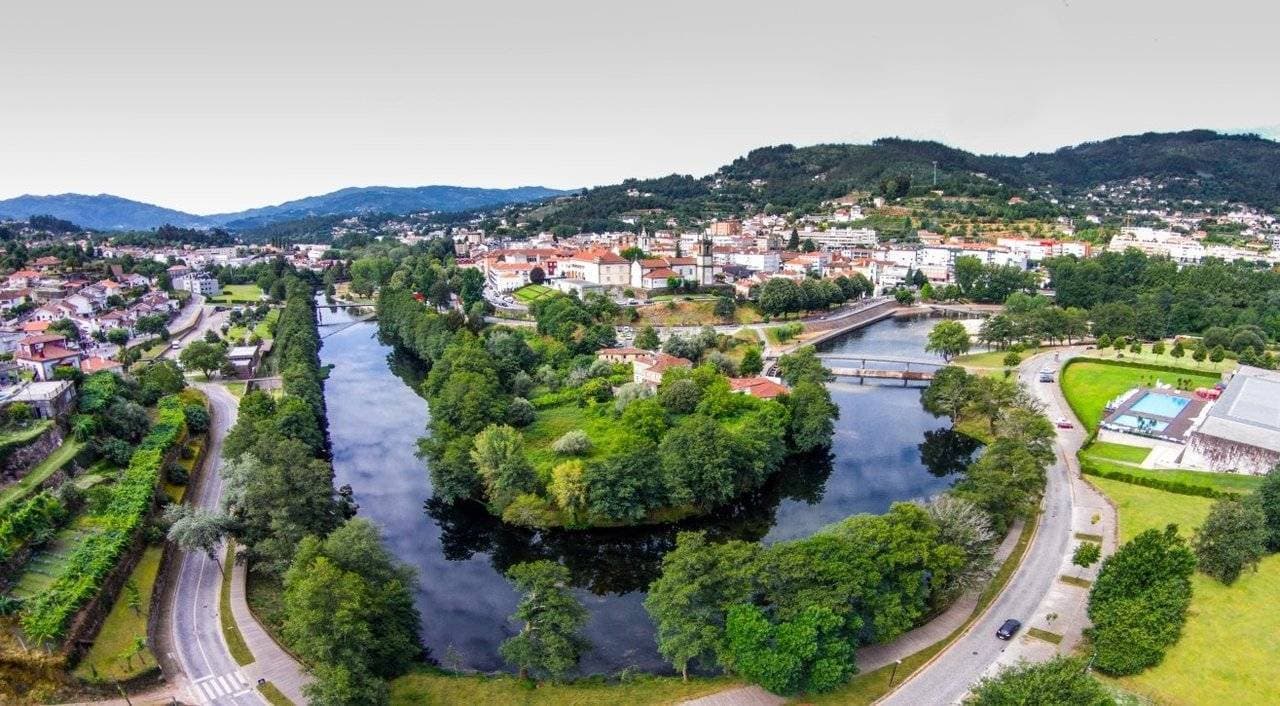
(863, 360)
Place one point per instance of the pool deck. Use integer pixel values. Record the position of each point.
(1179, 426)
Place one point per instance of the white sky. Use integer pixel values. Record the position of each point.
(221, 106)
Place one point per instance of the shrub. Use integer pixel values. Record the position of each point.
(1012, 359)
(573, 443)
(520, 413)
(197, 418)
(680, 396)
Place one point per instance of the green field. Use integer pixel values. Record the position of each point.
(50, 465)
(434, 687)
(1227, 650)
(606, 433)
(1232, 482)
(991, 359)
(47, 564)
(1118, 452)
(1146, 356)
(1090, 385)
(532, 292)
(107, 659)
(263, 328)
(238, 294)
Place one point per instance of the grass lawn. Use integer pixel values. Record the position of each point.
(230, 631)
(263, 329)
(532, 292)
(1090, 385)
(435, 687)
(606, 434)
(1117, 452)
(1235, 482)
(238, 294)
(273, 695)
(1227, 650)
(991, 359)
(1146, 356)
(106, 659)
(235, 388)
(24, 435)
(50, 465)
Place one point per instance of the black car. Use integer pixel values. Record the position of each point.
(1008, 629)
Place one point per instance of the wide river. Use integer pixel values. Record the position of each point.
(460, 552)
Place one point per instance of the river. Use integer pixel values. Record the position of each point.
(460, 551)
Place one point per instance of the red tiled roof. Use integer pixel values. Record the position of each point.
(661, 273)
(95, 364)
(600, 257)
(624, 351)
(49, 352)
(764, 388)
(42, 338)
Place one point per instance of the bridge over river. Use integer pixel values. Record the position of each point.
(867, 366)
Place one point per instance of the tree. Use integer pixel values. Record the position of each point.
(569, 489)
(648, 339)
(1178, 349)
(688, 601)
(968, 272)
(574, 442)
(725, 308)
(808, 653)
(964, 525)
(153, 324)
(1012, 359)
(1087, 554)
(537, 275)
(948, 392)
(202, 356)
(780, 296)
(1233, 538)
(1268, 495)
(700, 460)
(66, 327)
(196, 529)
(1217, 354)
(1199, 353)
(118, 336)
(948, 339)
(904, 297)
(803, 364)
(1061, 680)
(500, 459)
(1139, 601)
(752, 363)
(1158, 348)
(680, 396)
(550, 642)
(812, 416)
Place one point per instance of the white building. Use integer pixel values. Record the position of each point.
(198, 283)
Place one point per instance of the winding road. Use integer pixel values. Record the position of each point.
(211, 674)
(1034, 590)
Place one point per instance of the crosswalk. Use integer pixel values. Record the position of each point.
(219, 686)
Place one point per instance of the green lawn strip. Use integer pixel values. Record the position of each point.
(1118, 452)
(1095, 538)
(1089, 385)
(991, 359)
(1149, 358)
(238, 294)
(532, 292)
(113, 656)
(607, 434)
(13, 438)
(1075, 581)
(230, 631)
(1228, 482)
(433, 686)
(50, 465)
(273, 695)
(235, 388)
(868, 687)
(1227, 650)
(1143, 508)
(1050, 637)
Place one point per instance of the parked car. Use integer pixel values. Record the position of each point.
(1064, 424)
(1008, 629)
(1046, 375)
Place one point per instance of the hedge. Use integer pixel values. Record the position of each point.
(1169, 486)
(45, 616)
(38, 516)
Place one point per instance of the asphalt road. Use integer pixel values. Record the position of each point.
(213, 677)
(948, 679)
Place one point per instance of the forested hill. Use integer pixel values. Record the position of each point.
(1197, 164)
(107, 212)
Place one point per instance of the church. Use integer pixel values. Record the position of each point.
(654, 273)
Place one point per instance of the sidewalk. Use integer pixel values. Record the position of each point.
(270, 661)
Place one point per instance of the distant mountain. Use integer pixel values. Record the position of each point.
(384, 199)
(107, 212)
(100, 212)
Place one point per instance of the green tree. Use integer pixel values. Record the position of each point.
(948, 339)
(1086, 554)
(1268, 495)
(625, 487)
(801, 365)
(812, 418)
(1139, 601)
(725, 308)
(688, 601)
(700, 460)
(500, 459)
(118, 336)
(202, 356)
(195, 529)
(752, 362)
(1233, 538)
(1217, 354)
(648, 339)
(1060, 681)
(550, 642)
(808, 653)
(1178, 350)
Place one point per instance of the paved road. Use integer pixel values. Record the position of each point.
(212, 675)
(953, 673)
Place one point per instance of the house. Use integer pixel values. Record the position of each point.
(761, 387)
(198, 283)
(46, 263)
(649, 369)
(95, 364)
(597, 267)
(623, 355)
(23, 279)
(11, 298)
(245, 359)
(43, 353)
(48, 399)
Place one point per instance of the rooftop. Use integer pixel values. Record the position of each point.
(1248, 411)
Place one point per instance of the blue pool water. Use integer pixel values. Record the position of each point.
(1160, 404)
(1144, 423)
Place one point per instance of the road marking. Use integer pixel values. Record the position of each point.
(216, 686)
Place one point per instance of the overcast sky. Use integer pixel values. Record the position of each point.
(220, 106)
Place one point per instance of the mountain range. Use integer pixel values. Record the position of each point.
(107, 212)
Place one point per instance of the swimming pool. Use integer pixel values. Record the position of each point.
(1146, 424)
(1160, 404)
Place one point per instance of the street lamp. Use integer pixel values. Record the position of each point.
(896, 663)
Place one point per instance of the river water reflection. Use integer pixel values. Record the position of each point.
(460, 551)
